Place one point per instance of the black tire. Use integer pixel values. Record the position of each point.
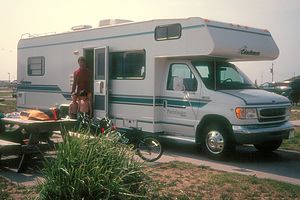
(268, 146)
(215, 141)
(149, 149)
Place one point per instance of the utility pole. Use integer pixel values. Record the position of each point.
(272, 72)
(8, 77)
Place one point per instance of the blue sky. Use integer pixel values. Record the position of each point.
(280, 17)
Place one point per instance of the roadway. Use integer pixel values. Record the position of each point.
(280, 165)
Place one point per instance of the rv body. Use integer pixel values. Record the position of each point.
(173, 78)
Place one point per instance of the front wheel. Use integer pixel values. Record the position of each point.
(149, 149)
(215, 141)
(268, 146)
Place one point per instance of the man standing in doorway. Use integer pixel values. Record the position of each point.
(82, 80)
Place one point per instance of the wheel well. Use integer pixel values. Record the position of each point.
(217, 119)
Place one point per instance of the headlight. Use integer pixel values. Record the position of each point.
(246, 113)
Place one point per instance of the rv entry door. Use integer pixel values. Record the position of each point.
(100, 82)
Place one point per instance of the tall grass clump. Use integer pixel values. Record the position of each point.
(93, 168)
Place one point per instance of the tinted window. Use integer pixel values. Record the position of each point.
(168, 32)
(36, 66)
(222, 76)
(127, 65)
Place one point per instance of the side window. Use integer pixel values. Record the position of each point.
(36, 66)
(127, 65)
(168, 32)
(206, 75)
(181, 78)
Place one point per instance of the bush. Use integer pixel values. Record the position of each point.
(93, 168)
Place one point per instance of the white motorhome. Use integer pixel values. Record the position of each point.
(172, 77)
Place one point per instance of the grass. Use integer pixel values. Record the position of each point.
(292, 143)
(9, 106)
(187, 181)
(82, 168)
(174, 180)
(5, 94)
(94, 168)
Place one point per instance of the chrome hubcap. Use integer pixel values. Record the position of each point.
(214, 142)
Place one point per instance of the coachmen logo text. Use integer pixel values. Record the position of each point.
(245, 51)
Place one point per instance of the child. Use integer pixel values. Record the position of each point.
(84, 103)
(73, 107)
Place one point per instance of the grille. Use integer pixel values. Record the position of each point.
(272, 114)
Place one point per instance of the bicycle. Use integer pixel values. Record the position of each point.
(148, 148)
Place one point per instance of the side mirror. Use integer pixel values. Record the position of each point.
(178, 84)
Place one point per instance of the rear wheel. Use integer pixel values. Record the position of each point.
(149, 149)
(268, 146)
(215, 141)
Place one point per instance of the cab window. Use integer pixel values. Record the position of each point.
(181, 78)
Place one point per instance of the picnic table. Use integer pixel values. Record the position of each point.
(36, 136)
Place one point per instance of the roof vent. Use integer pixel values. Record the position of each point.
(107, 22)
(80, 27)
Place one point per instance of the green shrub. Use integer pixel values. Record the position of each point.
(93, 168)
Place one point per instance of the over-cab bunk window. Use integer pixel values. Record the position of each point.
(36, 66)
(168, 32)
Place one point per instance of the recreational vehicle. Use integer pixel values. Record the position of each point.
(175, 78)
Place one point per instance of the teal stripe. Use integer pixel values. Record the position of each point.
(121, 99)
(159, 122)
(173, 123)
(145, 132)
(39, 87)
(114, 99)
(158, 102)
(182, 103)
(144, 121)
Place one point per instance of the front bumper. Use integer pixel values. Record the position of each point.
(251, 134)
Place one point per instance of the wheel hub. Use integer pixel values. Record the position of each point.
(214, 142)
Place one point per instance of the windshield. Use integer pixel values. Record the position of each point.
(222, 76)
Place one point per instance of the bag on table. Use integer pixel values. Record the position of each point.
(40, 115)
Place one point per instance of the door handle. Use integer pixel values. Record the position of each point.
(101, 87)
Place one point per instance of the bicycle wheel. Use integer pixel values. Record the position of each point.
(149, 149)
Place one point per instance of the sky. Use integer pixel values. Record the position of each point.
(280, 17)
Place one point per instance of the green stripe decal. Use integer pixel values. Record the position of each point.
(128, 100)
(30, 87)
(158, 122)
(174, 102)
